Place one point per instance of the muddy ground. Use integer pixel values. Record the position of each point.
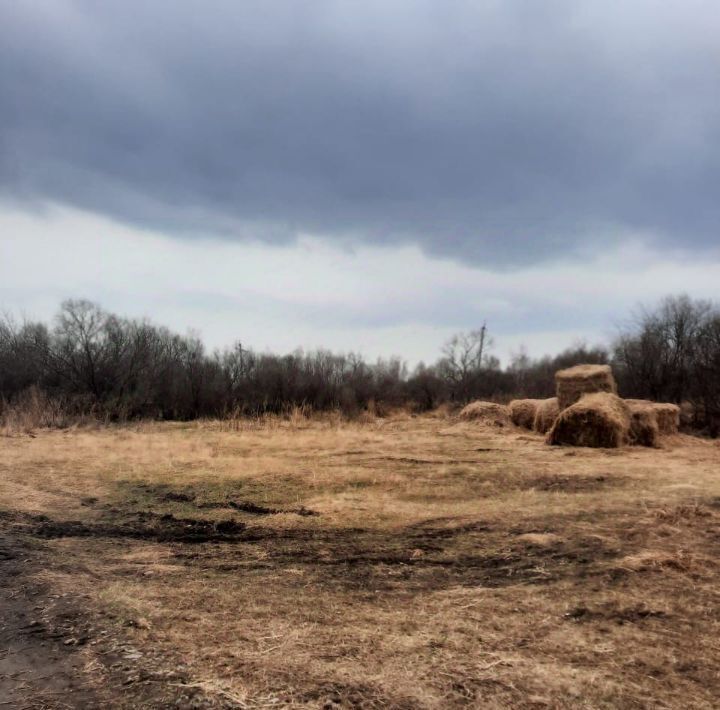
(58, 653)
(55, 653)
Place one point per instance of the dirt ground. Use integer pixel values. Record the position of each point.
(409, 562)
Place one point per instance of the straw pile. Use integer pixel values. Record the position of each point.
(665, 415)
(573, 383)
(545, 415)
(489, 413)
(600, 420)
(522, 412)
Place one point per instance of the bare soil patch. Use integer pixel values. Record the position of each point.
(54, 654)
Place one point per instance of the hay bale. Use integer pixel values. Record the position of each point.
(522, 412)
(644, 429)
(546, 414)
(666, 416)
(687, 414)
(488, 413)
(638, 402)
(573, 383)
(600, 420)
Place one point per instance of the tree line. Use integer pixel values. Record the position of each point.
(97, 362)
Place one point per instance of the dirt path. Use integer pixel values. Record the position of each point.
(52, 658)
(39, 668)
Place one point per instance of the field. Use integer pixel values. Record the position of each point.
(408, 562)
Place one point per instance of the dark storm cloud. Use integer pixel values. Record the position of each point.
(494, 132)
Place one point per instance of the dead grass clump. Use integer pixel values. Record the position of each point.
(657, 560)
(546, 414)
(489, 413)
(573, 383)
(522, 412)
(32, 410)
(541, 539)
(682, 513)
(366, 416)
(600, 420)
(443, 411)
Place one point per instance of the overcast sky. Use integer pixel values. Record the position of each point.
(367, 175)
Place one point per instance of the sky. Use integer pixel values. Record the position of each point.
(367, 176)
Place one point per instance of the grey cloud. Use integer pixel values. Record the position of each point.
(491, 132)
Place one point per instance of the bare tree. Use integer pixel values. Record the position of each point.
(672, 353)
(464, 359)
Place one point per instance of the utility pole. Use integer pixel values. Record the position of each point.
(481, 347)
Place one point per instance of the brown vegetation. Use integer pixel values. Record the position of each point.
(94, 364)
(574, 382)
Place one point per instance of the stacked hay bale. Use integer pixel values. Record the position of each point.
(573, 383)
(599, 419)
(522, 412)
(591, 413)
(545, 415)
(488, 413)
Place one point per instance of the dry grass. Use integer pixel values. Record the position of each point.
(33, 410)
(447, 565)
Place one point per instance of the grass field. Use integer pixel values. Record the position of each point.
(409, 562)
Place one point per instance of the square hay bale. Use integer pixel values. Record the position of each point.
(600, 420)
(687, 414)
(546, 414)
(522, 412)
(573, 383)
(638, 402)
(487, 413)
(644, 429)
(666, 416)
